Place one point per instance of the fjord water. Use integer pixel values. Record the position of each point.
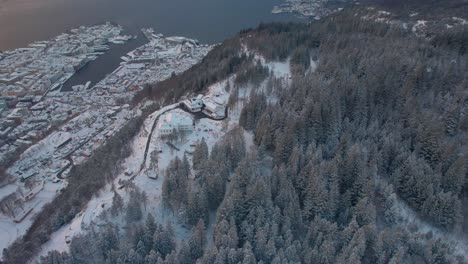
(209, 21)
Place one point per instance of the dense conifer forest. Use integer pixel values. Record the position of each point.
(359, 160)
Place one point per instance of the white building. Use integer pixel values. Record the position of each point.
(213, 109)
(63, 138)
(179, 121)
(194, 104)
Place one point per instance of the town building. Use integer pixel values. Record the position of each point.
(175, 121)
(194, 104)
(213, 109)
(13, 90)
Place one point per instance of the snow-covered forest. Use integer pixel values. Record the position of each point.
(346, 142)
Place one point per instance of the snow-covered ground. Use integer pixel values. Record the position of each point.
(460, 20)
(44, 162)
(313, 65)
(204, 128)
(59, 239)
(419, 27)
(38, 152)
(10, 230)
(150, 156)
(409, 217)
(311, 9)
(279, 69)
(139, 170)
(208, 129)
(103, 199)
(14, 230)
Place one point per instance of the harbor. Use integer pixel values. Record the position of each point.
(96, 70)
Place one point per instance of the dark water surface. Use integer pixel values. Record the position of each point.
(24, 21)
(96, 70)
(209, 21)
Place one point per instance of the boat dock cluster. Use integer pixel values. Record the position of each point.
(155, 61)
